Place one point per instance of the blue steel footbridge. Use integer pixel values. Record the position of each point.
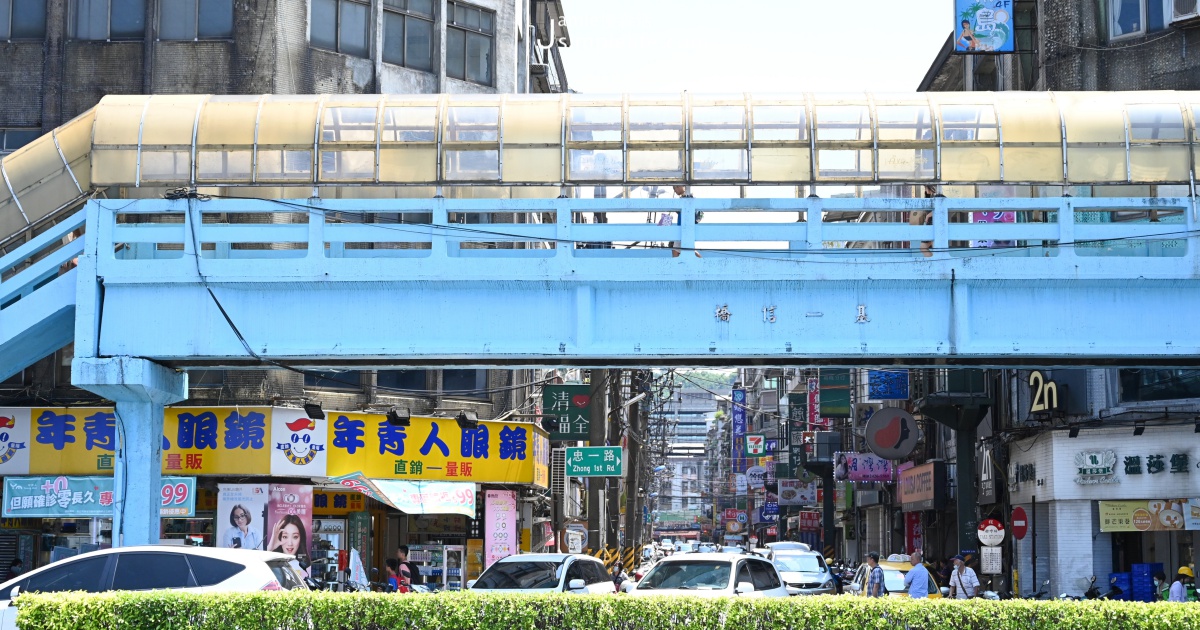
(163, 232)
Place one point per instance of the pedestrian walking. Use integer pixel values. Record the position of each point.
(964, 584)
(875, 587)
(916, 581)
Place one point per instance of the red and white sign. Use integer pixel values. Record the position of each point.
(810, 521)
(914, 532)
(731, 514)
(991, 532)
(814, 402)
(1020, 523)
(771, 531)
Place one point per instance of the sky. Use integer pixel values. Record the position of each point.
(753, 45)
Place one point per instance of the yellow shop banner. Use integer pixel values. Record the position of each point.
(72, 441)
(217, 441)
(436, 449)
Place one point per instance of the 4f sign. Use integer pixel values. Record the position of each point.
(756, 444)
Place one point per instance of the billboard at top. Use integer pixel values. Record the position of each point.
(983, 26)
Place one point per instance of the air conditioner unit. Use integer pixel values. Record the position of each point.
(1185, 12)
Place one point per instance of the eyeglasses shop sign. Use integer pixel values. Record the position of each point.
(923, 487)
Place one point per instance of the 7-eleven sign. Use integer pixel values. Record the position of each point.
(756, 444)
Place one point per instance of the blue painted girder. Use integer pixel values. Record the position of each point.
(443, 305)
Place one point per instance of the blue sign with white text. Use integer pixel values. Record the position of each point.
(983, 26)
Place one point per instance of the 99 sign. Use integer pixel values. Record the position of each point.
(174, 494)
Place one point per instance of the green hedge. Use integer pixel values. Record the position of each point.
(165, 610)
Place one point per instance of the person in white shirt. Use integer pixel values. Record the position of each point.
(963, 582)
(1178, 589)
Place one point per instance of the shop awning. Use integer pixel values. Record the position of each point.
(416, 497)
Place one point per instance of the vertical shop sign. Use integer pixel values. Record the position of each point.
(571, 404)
(500, 535)
(739, 430)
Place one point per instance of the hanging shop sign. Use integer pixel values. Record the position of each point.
(227, 441)
(862, 467)
(84, 497)
(756, 477)
(298, 444)
(741, 484)
(1043, 393)
(914, 532)
(500, 536)
(572, 405)
(429, 497)
(337, 503)
(1096, 467)
(808, 521)
(983, 27)
(756, 445)
(887, 384)
(1158, 515)
(835, 392)
(923, 487)
(738, 411)
(813, 409)
(892, 433)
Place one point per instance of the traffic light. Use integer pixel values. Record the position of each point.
(550, 424)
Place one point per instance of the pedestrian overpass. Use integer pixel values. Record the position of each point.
(164, 232)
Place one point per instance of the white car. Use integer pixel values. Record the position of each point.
(805, 571)
(545, 573)
(195, 569)
(712, 575)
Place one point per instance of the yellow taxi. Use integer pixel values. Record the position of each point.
(895, 567)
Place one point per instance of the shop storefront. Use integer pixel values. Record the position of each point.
(251, 472)
(1134, 501)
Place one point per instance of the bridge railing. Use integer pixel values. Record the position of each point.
(647, 228)
(40, 260)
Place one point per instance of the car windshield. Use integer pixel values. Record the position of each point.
(687, 574)
(520, 574)
(893, 580)
(798, 563)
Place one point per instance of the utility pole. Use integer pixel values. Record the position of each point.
(598, 414)
(633, 480)
(612, 504)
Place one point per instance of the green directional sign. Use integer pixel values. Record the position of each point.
(594, 461)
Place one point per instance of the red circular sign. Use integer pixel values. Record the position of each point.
(991, 532)
(1020, 523)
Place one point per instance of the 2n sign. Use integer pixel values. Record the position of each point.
(1045, 393)
(756, 444)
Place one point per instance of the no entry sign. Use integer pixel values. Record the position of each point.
(1020, 523)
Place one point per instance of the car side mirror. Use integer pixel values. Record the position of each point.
(16, 590)
(471, 583)
(856, 587)
(576, 585)
(945, 591)
(744, 587)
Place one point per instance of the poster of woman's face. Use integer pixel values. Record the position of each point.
(289, 516)
(241, 515)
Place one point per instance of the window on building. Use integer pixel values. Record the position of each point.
(341, 25)
(470, 34)
(405, 380)
(107, 19)
(1131, 18)
(190, 20)
(471, 383)
(408, 33)
(22, 19)
(13, 139)
(333, 379)
(1145, 384)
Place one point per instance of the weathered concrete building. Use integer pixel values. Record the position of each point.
(59, 57)
(1093, 45)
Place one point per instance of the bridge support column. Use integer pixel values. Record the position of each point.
(140, 389)
(963, 413)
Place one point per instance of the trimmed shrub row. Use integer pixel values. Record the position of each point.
(166, 610)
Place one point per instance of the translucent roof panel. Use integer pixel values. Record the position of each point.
(281, 141)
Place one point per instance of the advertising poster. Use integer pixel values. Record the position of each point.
(862, 467)
(241, 515)
(794, 492)
(289, 520)
(993, 217)
(499, 526)
(983, 26)
(82, 497)
(1156, 515)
